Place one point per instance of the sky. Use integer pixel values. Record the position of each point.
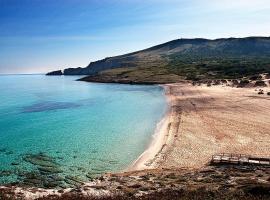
(37, 36)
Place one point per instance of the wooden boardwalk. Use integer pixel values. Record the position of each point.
(239, 159)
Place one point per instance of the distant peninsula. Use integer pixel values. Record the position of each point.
(57, 73)
(182, 59)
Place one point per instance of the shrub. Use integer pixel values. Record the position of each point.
(261, 92)
(255, 77)
(243, 83)
(192, 77)
(260, 84)
(235, 82)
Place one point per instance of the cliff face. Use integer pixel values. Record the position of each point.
(175, 55)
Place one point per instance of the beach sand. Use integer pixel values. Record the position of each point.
(202, 121)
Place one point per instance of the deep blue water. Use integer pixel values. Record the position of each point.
(85, 128)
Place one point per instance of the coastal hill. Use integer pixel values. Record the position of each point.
(192, 59)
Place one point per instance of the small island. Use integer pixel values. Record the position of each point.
(55, 73)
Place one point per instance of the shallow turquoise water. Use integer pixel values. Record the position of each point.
(83, 127)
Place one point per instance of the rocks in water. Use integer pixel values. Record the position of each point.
(55, 73)
(113, 162)
(9, 152)
(44, 106)
(50, 170)
(3, 150)
(6, 151)
(40, 160)
(91, 175)
(32, 181)
(45, 174)
(14, 163)
(98, 169)
(5, 173)
(75, 179)
(44, 171)
(81, 169)
(37, 179)
(50, 184)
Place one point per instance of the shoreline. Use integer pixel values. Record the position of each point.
(148, 160)
(199, 122)
(207, 131)
(151, 156)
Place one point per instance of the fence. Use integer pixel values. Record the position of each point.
(243, 159)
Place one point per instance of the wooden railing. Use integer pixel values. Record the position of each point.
(227, 158)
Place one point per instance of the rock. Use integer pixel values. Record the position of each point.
(14, 163)
(52, 170)
(5, 173)
(51, 184)
(40, 160)
(2, 150)
(75, 179)
(55, 73)
(33, 181)
(136, 185)
(72, 183)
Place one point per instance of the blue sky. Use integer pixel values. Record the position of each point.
(37, 36)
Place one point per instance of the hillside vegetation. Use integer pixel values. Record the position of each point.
(192, 59)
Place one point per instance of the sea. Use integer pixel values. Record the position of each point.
(57, 132)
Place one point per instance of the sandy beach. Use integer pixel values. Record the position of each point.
(202, 121)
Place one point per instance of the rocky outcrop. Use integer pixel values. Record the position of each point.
(211, 182)
(101, 65)
(55, 73)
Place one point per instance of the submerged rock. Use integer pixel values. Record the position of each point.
(52, 170)
(5, 173)
(51, 184)
(33, 181)
(2, 150)
(15, 163)
(41, 160)
(45, 172)
(75, 179)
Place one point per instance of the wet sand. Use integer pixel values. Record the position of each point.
(203, 121)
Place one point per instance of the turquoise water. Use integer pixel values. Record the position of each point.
(52, 128)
